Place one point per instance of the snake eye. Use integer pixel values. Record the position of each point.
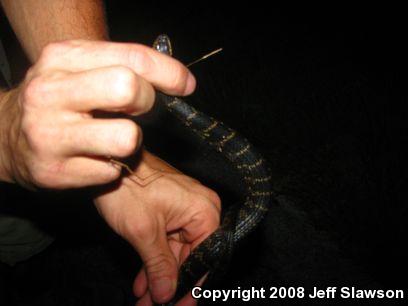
(163, 44)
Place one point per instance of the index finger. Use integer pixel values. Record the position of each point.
(162, 71)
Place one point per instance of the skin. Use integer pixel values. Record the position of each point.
(50, 138)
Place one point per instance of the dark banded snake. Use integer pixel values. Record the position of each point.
(240, 219)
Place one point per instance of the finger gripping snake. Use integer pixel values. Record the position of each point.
(240, 219)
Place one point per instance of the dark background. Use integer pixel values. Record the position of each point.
(320, 91)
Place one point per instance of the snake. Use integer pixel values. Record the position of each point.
(212, 256)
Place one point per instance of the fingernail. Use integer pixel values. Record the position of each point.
(163, 288)
(191, 84)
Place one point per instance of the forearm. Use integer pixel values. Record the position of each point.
(37, 23)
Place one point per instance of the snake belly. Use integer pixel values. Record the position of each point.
(213, 254)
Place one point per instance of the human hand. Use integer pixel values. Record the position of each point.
(163, 221)
(49, 135)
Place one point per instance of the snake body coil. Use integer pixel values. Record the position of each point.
(240, 219)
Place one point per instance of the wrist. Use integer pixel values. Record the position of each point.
(4, 155)
(150, 161)
(8, 109)
(144, 168)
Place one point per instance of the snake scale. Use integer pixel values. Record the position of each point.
(213, 254)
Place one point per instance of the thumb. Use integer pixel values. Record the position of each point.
(160, 265)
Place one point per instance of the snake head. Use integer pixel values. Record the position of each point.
(163, 44)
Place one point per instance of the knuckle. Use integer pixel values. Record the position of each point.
(33, 134)
(199, 202)
(46, 166)
(206, 221)
(42, 179)
(39, 178)
(53, 49)
(40, 138)
(125, 85)
(159, 265)
(214, 198)
(207, 212)
(31, 72)
(211, 222)
(57, 48)
(47, 175)
(213, 218)
(127, 138)
(140, 59)
(49, 49)
(35, 92)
